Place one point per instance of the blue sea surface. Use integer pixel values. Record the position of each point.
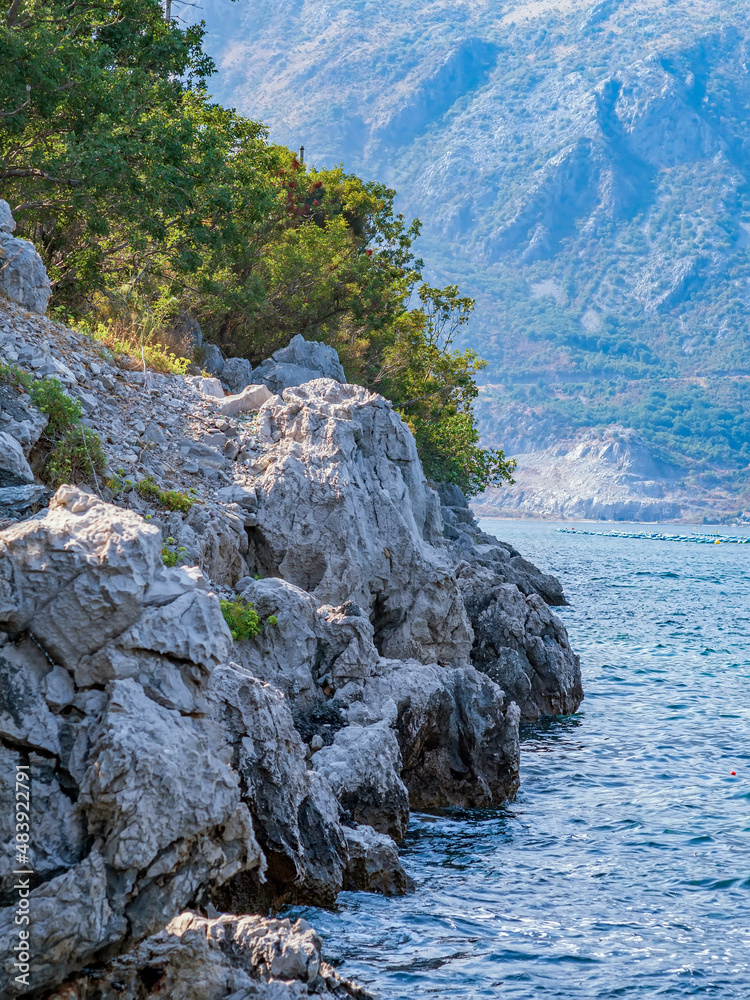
(622, 869)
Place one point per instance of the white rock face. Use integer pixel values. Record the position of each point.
(363, 767)
(299, 362)
(250, 398)
(23, 276)
(245, 958)
(607, 474)
(148, 755)
(346, 515)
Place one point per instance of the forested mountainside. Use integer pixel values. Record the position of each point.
(580, 168)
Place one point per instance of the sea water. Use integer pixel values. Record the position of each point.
(622, 869)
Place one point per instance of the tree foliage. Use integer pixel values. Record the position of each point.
(142, 194)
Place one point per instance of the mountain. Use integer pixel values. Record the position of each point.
(581, 169)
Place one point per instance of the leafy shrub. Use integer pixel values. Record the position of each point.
(170, 499)
(76, 455)
(243, 620)
(51, 398)
(15, 375)
(74, 451)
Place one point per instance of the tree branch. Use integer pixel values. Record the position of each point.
(41, 174)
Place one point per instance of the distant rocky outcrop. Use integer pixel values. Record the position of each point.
(609, 474)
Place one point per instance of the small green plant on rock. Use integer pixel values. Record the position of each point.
(170, 499)
(51, 398)
(74, 451)
(243, 620)
(171, 555)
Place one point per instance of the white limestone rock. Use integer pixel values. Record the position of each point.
(237, 374)
(250, 398)
(226, 958)
(311, 651)
(23, 276)
(363, 767)
(346, 515)
(299, 362)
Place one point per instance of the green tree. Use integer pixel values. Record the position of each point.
(146, 200)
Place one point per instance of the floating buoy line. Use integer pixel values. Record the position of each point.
(701, 538)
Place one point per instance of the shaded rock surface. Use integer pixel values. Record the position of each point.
(363, 767)
(518, 642)
(374, 864)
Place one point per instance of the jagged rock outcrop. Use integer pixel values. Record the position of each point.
(480, 549)
(518, 642)
(243, 958)
(237, 374)
(23, 276)
(299, 362)
(296, 814)
(521, 645)
(345, 513)
(148, 753)
(174, 767)
(456, 732)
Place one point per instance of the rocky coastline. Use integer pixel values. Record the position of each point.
(187, 783)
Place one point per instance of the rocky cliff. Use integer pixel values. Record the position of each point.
(187, 779)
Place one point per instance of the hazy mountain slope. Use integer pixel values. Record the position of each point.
(581, 169)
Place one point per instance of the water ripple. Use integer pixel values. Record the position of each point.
(623, 868)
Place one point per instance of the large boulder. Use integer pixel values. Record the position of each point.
(23, 276)
(196, 958)
(457, 733)
(521, 645)
(345, 514)
(363, 767)
(237, 373)
(373, 864)
(299, 362)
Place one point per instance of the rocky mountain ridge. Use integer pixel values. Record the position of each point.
(186, 779)
(581, 170)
